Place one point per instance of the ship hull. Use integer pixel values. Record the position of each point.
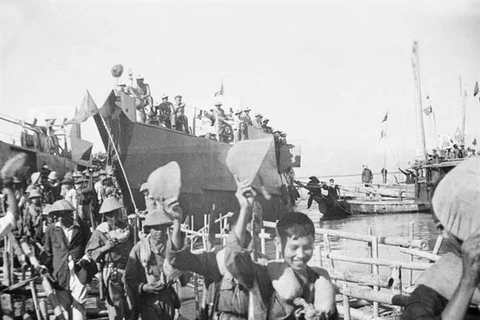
(206, 179)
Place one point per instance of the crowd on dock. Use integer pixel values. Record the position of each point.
(230, 126)
(78, 222)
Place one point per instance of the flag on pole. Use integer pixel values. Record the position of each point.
(474, 142)
(459, 136)
(476, 90)
(428, 110)
(87, 109)
(385, 118)
(219, 93)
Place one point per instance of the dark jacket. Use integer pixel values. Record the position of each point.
(58, 250)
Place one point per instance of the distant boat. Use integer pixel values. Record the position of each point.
(206, 179)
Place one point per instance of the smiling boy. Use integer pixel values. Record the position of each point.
(289, 288)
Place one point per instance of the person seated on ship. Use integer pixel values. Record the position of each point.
(410, 175)
(246, 116)
(258, 121)
(463, 151)
(166, 112)
(450, 289)
(314, 189)
(456, 152)
(240, 126)
(181, 123)
(265, 127)
(144, 98)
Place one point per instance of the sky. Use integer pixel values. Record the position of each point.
(324, 72)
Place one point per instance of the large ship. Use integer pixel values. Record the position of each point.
(47, 144)
(139, 148)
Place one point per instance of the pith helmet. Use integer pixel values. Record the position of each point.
(144, 187)
(157, 217)
(34, 194)
(53, 175)
(67, 181)
(61, 205)
(457, 198)
(35, 176)
(110, 204)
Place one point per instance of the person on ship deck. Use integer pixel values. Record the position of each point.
(144, 98)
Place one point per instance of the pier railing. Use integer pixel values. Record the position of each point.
(386, 290)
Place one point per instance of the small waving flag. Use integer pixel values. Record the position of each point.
(385, 118)
(474, 142)
(219, 93)
(476, 90)
(428, 110)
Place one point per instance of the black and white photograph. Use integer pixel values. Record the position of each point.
(239, 160)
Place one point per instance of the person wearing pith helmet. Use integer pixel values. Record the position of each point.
(149, 276)
(53, 189)
(110, 245)
(32, 218)
(65, 242)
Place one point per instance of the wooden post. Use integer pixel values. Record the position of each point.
(205, 226)
(319, 253)
(6, 299)
(397, 285)
(346, 307)
(438, 245)
(375, 269)
(36, 305)
(370, 249)
(195, 292)
(410, 256)
(326, 239)
(262, 240)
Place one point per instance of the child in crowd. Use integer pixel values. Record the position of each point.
(289, 289)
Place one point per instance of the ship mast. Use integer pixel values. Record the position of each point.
(463, 106)
(418, 96)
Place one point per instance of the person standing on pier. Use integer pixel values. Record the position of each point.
(314, 189)
(367, 176)
(65, 242)
(227, 299)
(148, 275)
(450, 289)
(110, 245)
(288, 288)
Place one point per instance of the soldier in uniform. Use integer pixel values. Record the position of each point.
(110, 245)
(145, 98)
(166, 112)
(148, 275)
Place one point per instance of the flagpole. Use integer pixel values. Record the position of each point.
(418, 90)
(435, 129)
(124, 175)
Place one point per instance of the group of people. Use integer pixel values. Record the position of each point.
(229, 127)
(452, 152)
(139, 278)
(166, 114)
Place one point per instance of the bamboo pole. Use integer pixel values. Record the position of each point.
(47, 287)
(6, 299)
(386, 297)
(361, 278)
(346, 307)
(326, 239)
(392, 241)
(438, 245)
(397, 284)
(375, 271)
(421, 254)
(356, 314)
(411, 231)
(380, 262)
